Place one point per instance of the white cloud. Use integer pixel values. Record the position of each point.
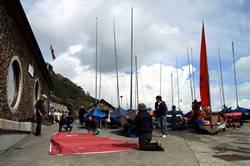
(162, 31)
(242, 67)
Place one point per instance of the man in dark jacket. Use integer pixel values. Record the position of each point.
(81, 112)
(144, 125)
(92, 125)
(66, 122)
(161, 112)
(40, 112)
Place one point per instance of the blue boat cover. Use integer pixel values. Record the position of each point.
(118, 113)
(97, 113)
(226, 109)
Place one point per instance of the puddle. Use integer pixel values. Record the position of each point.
(232, 157)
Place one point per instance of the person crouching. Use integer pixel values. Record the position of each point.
(92, 125)
(144, 124)
(66, 122)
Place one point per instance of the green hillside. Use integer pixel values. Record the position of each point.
(68, 93)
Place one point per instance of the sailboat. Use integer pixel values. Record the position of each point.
(240, 113)
(245, 112)
(212, 122)
(233, 118)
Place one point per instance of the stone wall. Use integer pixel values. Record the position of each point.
(55, 107)
(12, 43)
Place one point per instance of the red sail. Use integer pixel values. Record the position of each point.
(204, 77)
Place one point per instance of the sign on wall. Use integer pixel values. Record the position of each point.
(31, 69)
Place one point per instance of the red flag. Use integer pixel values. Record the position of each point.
(204, 76)
(52, 52)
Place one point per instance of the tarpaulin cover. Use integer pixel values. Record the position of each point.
(118, 113)
(98, 113)
(63, 143)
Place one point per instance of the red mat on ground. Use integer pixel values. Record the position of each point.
(77, 143)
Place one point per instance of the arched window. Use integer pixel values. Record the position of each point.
(37, 90)
(14, 84)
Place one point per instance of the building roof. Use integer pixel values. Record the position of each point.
(15, 9)
(105, 102)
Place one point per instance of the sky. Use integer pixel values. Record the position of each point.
(163, 30)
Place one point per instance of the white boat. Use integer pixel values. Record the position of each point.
(214, 123)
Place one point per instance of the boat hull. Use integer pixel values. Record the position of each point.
(214, 128)
(214, 123)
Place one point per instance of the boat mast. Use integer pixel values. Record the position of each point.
(96, 61)
(116, 66)
(221, 81)
(192, 97)
(235, 81)
(136, 78)
(192, 60)
(178, 90)
(100, 78)
(160, 78)
(131, 72)
(221, 102)
(172, 89)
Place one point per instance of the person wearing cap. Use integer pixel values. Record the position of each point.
(144, 125)
(40, 112)
(161, 112)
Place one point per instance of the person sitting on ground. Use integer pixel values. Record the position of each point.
(92, 125)
(66, 122)
(144, 125)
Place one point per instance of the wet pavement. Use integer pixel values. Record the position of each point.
(185, 147)
(231, 147)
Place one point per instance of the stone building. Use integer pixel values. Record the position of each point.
(23, 72)
(104, 105)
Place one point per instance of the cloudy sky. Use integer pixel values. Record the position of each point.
(163, 29)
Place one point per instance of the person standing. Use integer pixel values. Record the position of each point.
(40, 112)
(161, 112)
(81, 113)
(144, 125)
